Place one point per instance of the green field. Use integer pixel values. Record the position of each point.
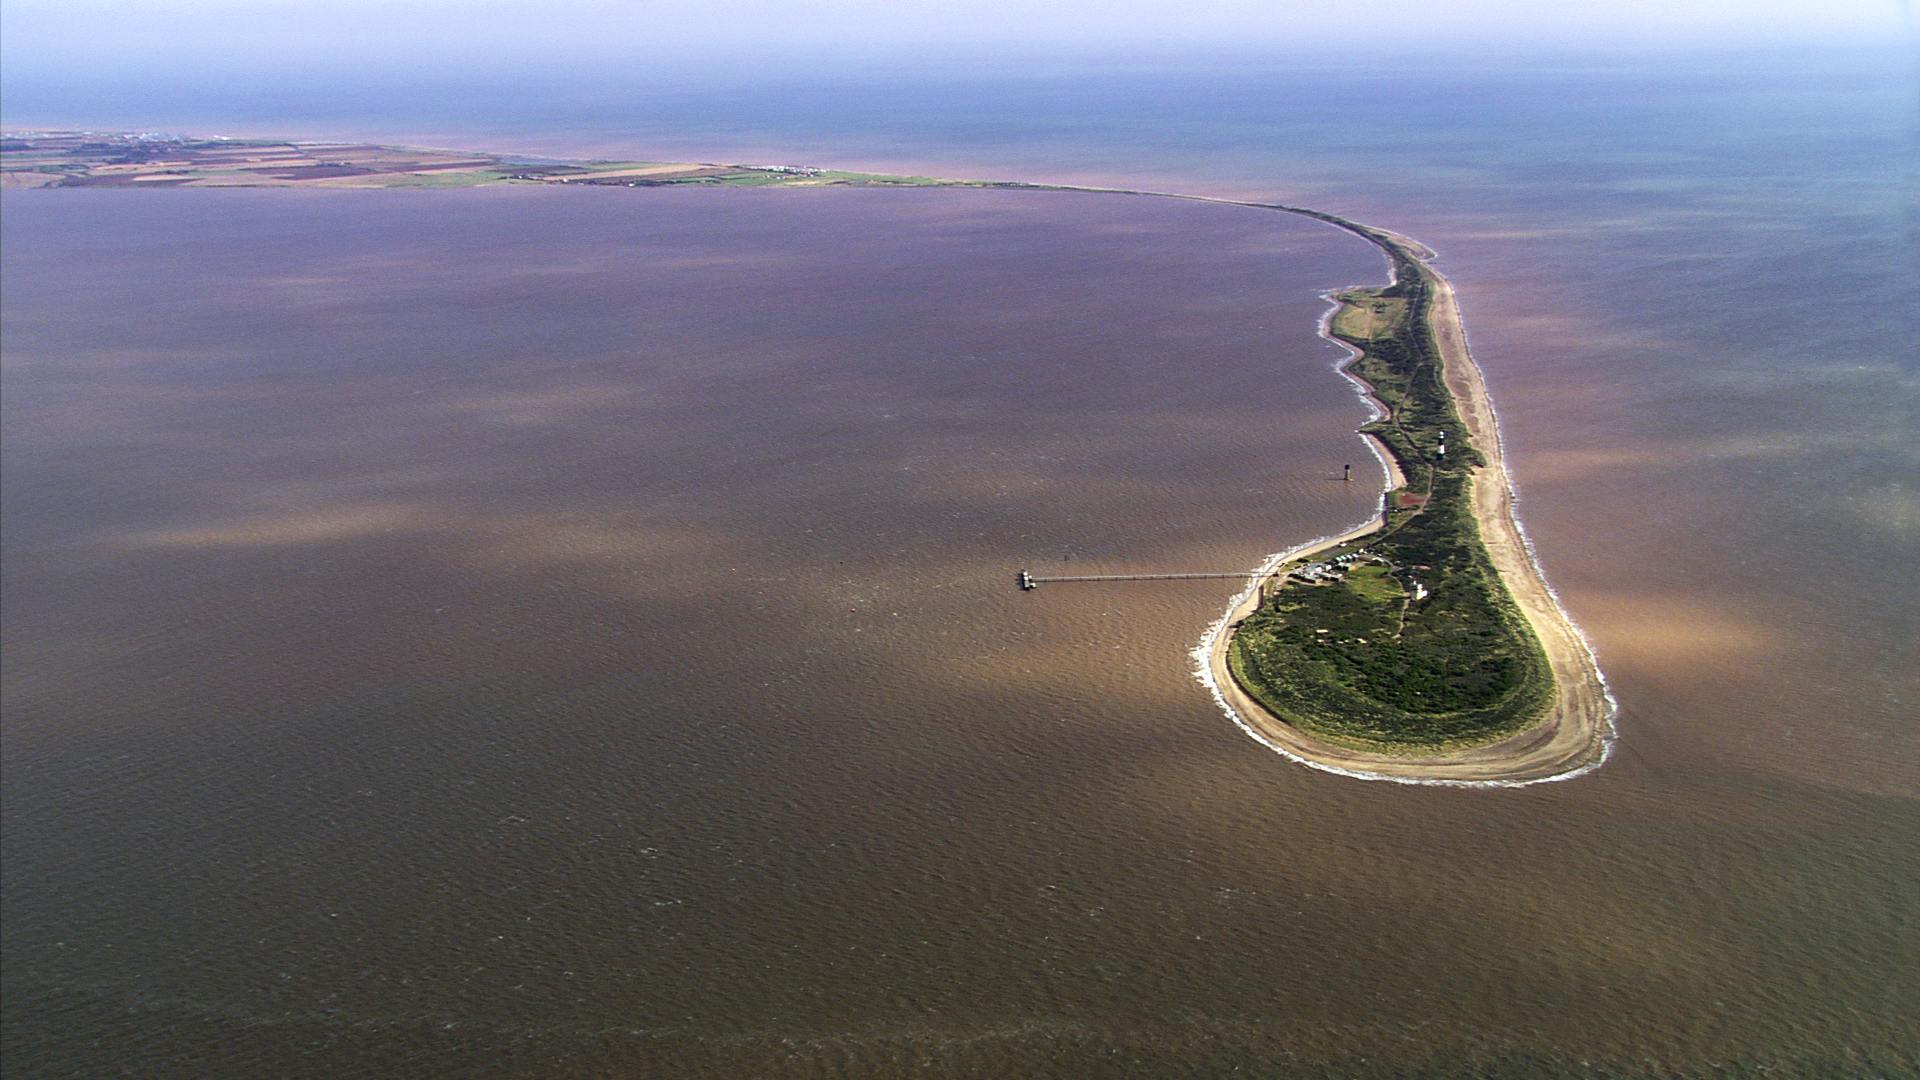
(93, 159)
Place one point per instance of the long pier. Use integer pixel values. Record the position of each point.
(1033, 581)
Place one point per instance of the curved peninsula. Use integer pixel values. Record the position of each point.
(1424, 647)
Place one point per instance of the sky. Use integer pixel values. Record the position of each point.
(111, 35)
(406, 68)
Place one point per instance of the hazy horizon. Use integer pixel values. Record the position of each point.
(128, 62)
(425, 31)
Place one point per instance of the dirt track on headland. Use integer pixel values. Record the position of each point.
(1574, 736)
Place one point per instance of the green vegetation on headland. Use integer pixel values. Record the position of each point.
(1405, 640)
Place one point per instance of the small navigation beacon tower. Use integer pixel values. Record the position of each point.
(1347, 476)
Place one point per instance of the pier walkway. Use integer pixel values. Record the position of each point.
(1033, 581)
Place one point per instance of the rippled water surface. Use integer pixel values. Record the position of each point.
(567, 633)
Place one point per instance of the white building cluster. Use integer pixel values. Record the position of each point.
(1331, 569)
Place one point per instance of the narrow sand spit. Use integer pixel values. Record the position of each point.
(1575, 736)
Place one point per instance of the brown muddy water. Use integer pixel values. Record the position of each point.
(553, 633)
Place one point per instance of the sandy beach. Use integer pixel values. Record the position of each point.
(1573, 738)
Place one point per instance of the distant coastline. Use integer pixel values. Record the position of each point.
(1574, 730)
